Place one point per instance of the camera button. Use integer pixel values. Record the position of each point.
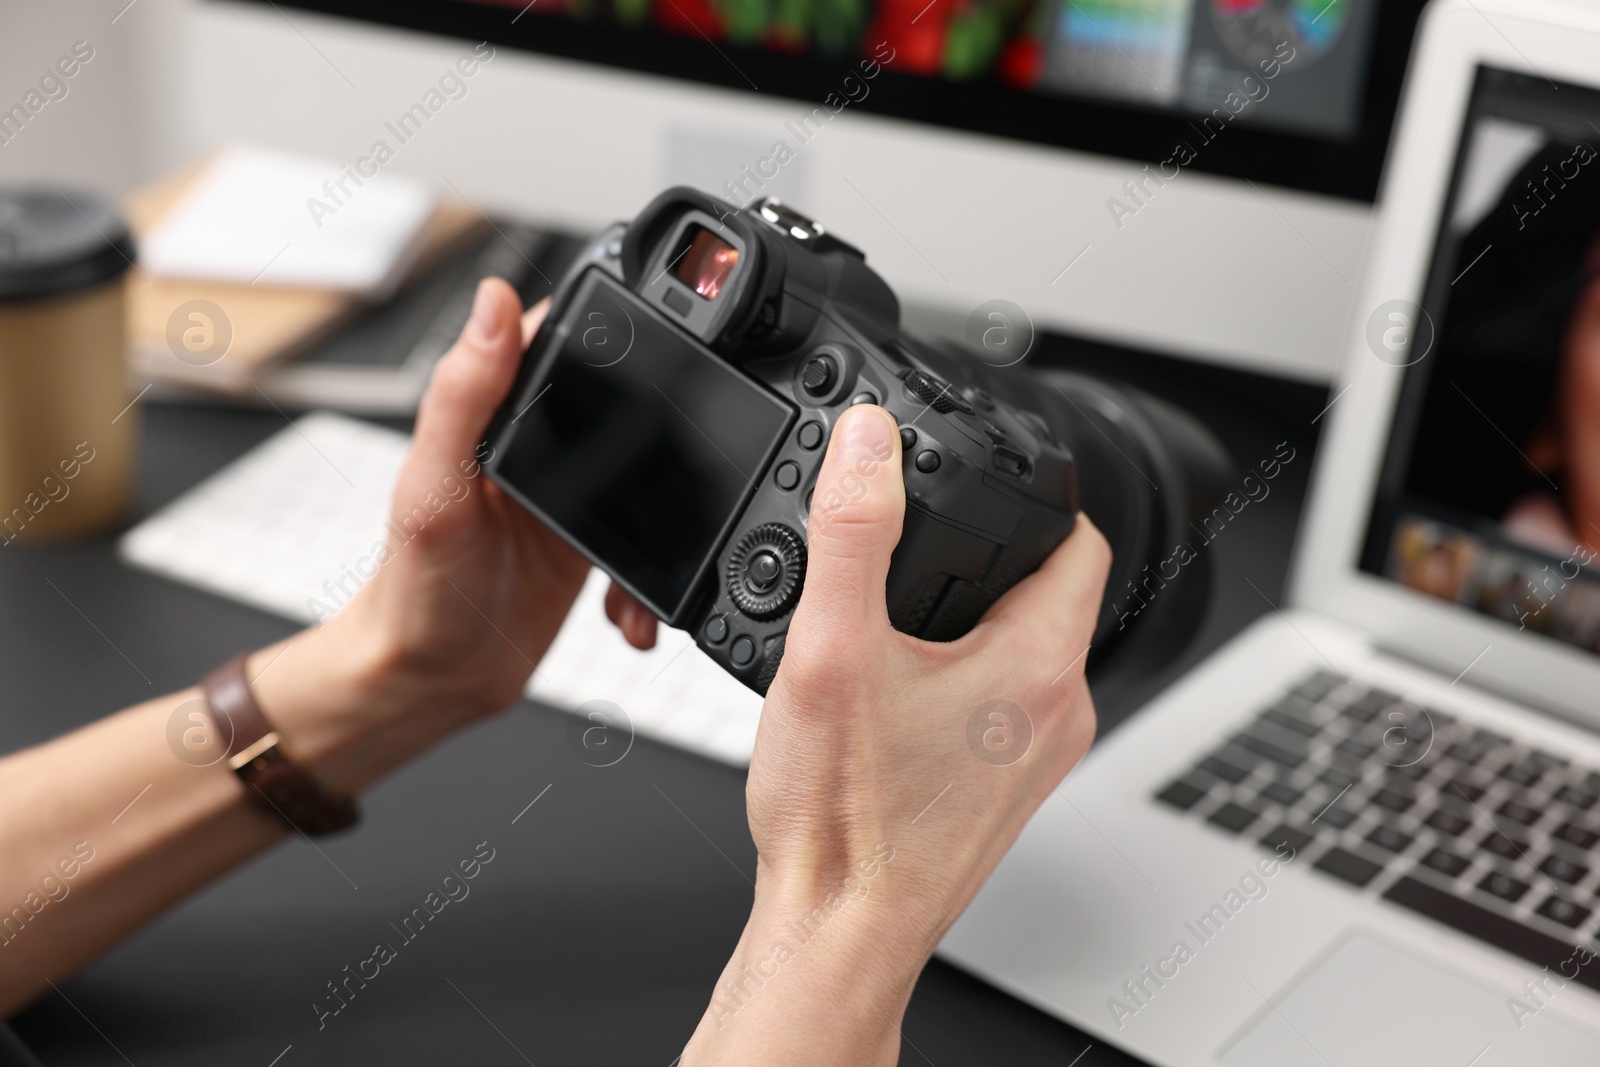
(927, 461)
(819, 375)
(864, 398)
(742, 651)
(908, 438)
(788, 475)
(717, 630)
(765, 569)
(762, 572)
(677, 302)
(810, 436)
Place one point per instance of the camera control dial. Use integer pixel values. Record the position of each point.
(765, 571)
(819, 375)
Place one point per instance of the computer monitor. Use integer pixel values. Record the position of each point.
(1191, 176)
(1297, 93)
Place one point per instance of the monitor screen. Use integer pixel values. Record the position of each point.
(1294, 92)
(1490, 492)
(639, 444)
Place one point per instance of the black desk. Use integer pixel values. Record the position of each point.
(595, 934)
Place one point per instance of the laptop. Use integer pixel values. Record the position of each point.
(1367, 831)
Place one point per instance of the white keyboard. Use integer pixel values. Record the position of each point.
(271, 528)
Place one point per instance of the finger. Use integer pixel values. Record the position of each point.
(473, 377)
(531, 320)
(1054, 609)
(637, 624)
(857, 510)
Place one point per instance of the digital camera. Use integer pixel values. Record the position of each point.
(672, 412)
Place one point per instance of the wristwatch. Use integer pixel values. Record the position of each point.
(274, 781)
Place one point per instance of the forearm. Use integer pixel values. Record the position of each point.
(88, 864)
(148, 826)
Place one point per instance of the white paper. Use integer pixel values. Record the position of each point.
(263, 217)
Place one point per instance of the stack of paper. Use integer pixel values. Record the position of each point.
(260, 217)
(235, 272)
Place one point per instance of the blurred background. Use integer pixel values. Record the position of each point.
(1261, 277)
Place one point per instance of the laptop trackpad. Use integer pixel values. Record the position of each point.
(1367, 1004)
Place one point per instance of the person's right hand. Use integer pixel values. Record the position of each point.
(890, 774)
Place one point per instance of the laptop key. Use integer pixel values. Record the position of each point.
(1356, 748)
(1503, 886)
(1335, 778)
(1503, 846)
(1448, 822)
(1395, 802)
(1519, 812)
(1284, 834)
(1573, 834)
(1464, 754)
(1503, 933)
(1446, 862)
(1488, 739)
(1232, 817)
(1271, 749)
(1303, 727)
(1381, 698)
(1181, 794)
(1576, 797)
(1438, 718)
(1389, 839)
(1361, 712)
(1562, 911)
(1563, 870)
(1546, 760)
(1463, 790)
(1281, 793)
(1521, 774)
(1348, 866)
(1221, 768)
(1337, 817)
(1414, 772)
(1317, 686)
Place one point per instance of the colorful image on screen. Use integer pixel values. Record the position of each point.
(1181, 55)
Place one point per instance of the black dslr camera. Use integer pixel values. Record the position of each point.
(670, 416)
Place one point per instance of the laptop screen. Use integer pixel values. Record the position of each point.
(1490, 492)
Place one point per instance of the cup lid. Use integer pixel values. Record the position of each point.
(54, 242)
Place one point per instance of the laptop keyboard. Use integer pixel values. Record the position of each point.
(1466, 826)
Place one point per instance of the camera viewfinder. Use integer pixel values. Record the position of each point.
(707, 262)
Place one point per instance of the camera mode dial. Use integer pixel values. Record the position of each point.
(937, 394)
(765, 570)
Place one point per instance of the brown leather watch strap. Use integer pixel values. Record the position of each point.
(270, 777)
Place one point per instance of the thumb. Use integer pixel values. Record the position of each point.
(857, 510)
(473, 377)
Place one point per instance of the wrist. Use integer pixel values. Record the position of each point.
(346, 707)
(815, 978)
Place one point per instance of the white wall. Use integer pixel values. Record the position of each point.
(108, 131)
(1209, 267)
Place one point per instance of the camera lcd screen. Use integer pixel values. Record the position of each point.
(639, 444)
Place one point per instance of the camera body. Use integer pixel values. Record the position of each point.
(670, 417)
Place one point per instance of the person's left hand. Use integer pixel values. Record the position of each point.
(460, 603)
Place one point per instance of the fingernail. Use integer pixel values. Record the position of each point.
(863, 433)
(485, 319)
